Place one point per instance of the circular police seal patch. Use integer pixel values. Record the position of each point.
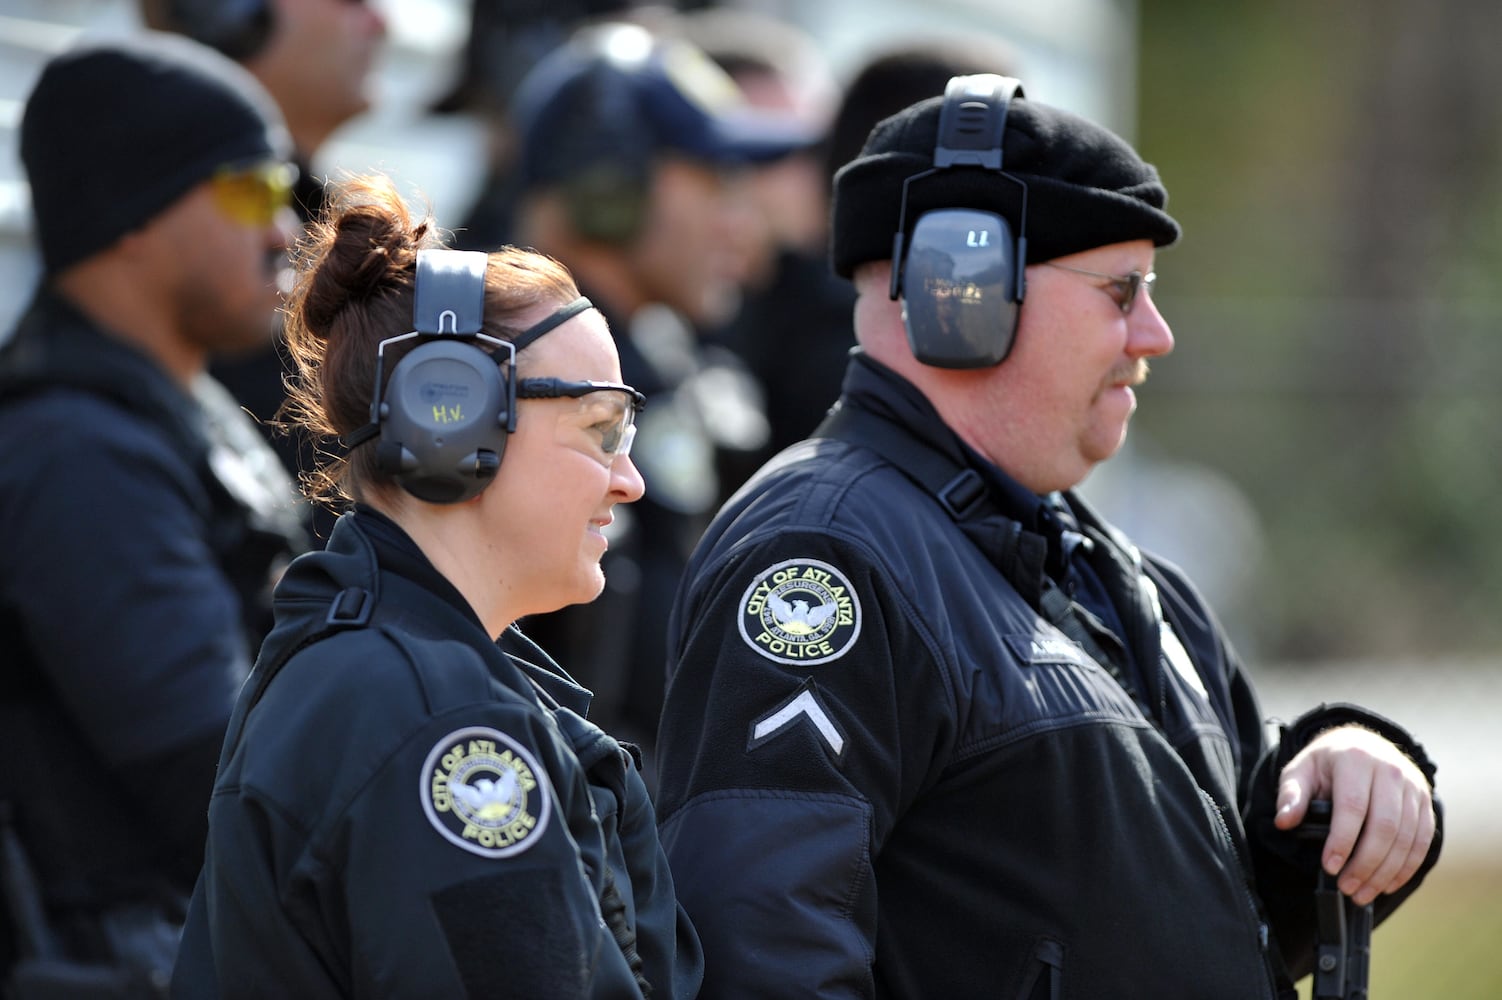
(801, 611)
(482, 791)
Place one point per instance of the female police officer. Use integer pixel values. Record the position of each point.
(405, 805)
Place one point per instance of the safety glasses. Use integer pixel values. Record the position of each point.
(253, 194)
(1121, 287)
(602, 424)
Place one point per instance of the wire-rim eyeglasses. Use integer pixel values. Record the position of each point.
(1122, 287)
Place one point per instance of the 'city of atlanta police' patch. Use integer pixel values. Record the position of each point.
(481, 790)
(801, 612)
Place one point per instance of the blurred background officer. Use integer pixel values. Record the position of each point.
(792, 326)
(779, 326)
(145, 520)
(505, 39)
(316, 59)
(411, 802)
(631, 151)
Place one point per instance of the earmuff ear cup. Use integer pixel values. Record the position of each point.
(959, 289)
(607, 202)
(595, 146)
(444, 421)
(237, 28)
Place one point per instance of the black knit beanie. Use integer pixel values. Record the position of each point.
(1086, 187)
(116, 131)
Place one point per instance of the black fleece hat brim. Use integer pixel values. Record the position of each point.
(1086, 187)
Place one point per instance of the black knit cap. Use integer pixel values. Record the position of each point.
(117, 130)
(1086, 187)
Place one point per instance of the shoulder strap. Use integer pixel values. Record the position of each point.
(957, 488)
(350, 608)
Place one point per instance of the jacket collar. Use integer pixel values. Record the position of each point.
(873, 386)
(368, 551)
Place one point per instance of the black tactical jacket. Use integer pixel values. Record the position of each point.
(142, 537)
(886, 773)
(405, 809)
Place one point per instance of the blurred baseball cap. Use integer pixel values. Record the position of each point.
(619, 90)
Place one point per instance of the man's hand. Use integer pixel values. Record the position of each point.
(1377, 793)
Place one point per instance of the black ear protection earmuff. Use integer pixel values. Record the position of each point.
(960, 277)
(442, 421)
(601, 151)
(597, 148)
(609, 151)
(607, 201)
(237, 28)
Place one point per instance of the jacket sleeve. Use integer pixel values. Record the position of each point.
(508, 884)
(1288, 869)
(801, 717)
(1285, 869)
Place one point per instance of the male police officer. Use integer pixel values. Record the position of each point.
(144, 518)
(933, 727)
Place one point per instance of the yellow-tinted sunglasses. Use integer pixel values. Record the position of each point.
(253, 194)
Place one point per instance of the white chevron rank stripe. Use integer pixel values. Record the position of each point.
(804, 703)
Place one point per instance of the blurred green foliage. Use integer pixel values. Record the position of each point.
(1337, 301)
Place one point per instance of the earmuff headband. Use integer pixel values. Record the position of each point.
(563, 315)
(449, 299)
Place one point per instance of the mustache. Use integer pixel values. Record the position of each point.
(1132, 373)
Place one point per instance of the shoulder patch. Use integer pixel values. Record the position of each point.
(485, 793)
(800, 612)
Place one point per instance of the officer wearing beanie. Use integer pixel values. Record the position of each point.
(144, 518)
(933, 727)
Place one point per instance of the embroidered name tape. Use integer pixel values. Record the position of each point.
(1044, 648)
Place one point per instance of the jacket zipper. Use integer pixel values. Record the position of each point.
(1251, 901)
